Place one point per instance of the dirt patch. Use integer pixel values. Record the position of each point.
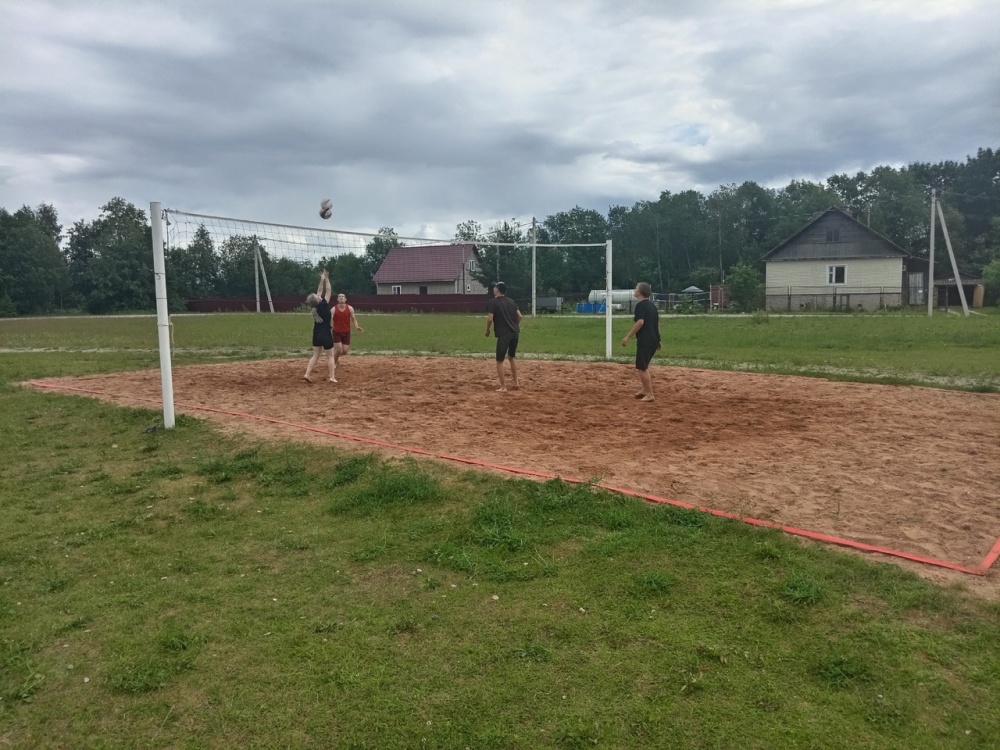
(911, 469)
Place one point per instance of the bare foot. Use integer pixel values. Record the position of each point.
(516, 386)
(332, 380)
(647, 398)
(640, 394)
(307, 378)
(501, 390)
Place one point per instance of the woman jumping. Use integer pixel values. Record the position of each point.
(322, 338)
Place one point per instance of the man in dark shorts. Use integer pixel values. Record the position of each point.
(646, 330)
(322, 339)
(504, 317)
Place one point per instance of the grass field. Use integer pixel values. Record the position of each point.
(192, 589)
(946, 350)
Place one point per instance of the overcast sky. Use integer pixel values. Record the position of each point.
(420, 114)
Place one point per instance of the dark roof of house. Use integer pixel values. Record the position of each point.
(423, 263)
(875, 245)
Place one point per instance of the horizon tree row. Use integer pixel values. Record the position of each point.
(679, 239)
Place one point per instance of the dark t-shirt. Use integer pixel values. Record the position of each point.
(323, 311)
(649, 334)
(504, 311)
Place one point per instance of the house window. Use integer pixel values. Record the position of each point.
(423, 290)
(835, 274)
(472, 264)
(397, 288)
(833, 235)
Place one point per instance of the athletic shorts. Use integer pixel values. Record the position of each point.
(342, 338)
(322, 337)
(506, 346)
(644, 354)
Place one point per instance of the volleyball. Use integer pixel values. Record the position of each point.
(326, 208)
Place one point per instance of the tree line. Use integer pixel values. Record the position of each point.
(680, 239)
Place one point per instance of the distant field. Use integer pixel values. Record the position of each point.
(945, 350)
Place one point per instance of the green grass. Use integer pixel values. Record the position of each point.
(193, 589)
(945, 350)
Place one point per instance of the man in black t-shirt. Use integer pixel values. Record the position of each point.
(502, 314)
(646, 330)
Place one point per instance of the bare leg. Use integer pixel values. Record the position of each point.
(317, 350)
(500, 375)
(331, 364)
(337, 352)
(647, 385)
(513, 372)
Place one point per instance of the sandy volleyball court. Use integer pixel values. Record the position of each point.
(912, 469)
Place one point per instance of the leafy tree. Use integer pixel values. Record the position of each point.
(574, 270)
(33, 273)
(745, 288)
(991, 279)
(111, 259)
(237, 266)
(348, 274)
(376, 251)
(194, 272)
(512, 265)
(703, 276)
(289, 277)
(80, 254)
(469, 231)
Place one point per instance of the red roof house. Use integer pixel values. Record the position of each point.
(429, 269)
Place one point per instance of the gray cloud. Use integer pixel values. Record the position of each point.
(423, 115)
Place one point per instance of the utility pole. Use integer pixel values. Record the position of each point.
(930, 262)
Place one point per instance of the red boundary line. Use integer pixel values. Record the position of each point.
(981, 570)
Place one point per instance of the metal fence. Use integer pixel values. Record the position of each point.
(845, 298)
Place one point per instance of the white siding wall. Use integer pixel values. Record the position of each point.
(858, 272)
(433, 287)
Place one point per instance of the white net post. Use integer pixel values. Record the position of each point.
(534, 267)
(162, 314)
(608, 300)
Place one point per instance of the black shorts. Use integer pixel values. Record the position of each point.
(644, 354)
(506, 346)
(323, 336)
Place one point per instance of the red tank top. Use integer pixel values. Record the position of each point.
(342, 319)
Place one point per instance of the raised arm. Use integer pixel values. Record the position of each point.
(324, 281)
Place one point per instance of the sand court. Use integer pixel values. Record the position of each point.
(911, 469)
